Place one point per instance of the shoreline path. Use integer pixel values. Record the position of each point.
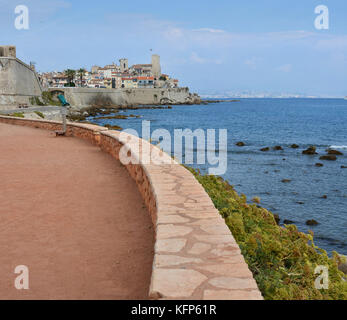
(73, 215)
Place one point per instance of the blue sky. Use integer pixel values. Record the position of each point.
(211, 46)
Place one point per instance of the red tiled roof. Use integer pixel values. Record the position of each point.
(145, 78)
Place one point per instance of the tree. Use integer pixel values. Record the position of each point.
(70, 75)
(80, 73)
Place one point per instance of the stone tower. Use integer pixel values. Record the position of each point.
(156, 69)
(123, 64)
(8, 51)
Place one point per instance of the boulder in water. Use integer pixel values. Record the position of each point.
(334, 152)
(277, 218)
(288, 222)
(312, 222)
(265, 149)
(294, 146)
(277, 148)
(286, 180)
(310, 151)
(319, 164)
(328, 157)
(240, 144)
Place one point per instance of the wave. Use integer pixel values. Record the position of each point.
(338, 147)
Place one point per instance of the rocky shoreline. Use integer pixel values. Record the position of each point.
(218, 101)
(81, 114)
(76, 113)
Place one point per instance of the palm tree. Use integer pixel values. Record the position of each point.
(70, 75)
(80, 73)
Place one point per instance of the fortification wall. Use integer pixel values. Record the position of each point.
(18, 82)
(92, 96)
(195, 255)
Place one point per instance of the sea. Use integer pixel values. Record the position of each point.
(318, 193)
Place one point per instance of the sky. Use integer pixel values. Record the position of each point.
(213, 47)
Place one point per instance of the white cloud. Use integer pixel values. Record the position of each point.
(195, 58)
(332, 42)
(176, 36)
(209, 30)
(252, 62)
(174, 33)
(291, 35)
(285, 68)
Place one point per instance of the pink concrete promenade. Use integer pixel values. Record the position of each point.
(73, 216)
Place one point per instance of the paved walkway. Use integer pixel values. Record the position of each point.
(73, 215)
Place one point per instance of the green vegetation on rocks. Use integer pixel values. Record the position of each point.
(47, 97)
(282, 259)
(45, 100)
(113, 127)
(35, 101)
(120, 116)
(17, 114)
(40, 114)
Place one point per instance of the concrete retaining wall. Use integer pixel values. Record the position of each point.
(196, 257)
(95, 96)
(18, 82)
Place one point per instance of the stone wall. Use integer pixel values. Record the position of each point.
(18, 82)
(91, 96)
(196, 257)
(8, 51)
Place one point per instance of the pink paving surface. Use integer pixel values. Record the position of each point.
(74, 216)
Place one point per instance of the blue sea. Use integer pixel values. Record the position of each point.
(263, 123)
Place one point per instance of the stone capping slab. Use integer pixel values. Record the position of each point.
(195, 255)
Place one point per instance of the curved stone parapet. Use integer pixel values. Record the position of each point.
(196, 257)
